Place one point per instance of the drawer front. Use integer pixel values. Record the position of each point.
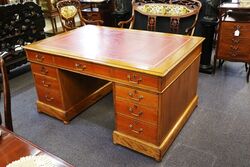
(234, 49)
(46, 82)
(137, 79)
(75, 65)
(44, 70)
(84, 67)
(39, 57)
(228, 29)
(137, 96)
(136, 128)
(50, 97)
(146, 114)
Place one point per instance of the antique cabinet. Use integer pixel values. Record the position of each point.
(233, 35)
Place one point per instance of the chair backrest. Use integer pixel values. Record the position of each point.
(6, 93)
(69, 10)
(145, 16)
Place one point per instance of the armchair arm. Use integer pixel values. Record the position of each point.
(129, 21)
(190, 30)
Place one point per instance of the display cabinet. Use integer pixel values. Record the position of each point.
(233, 34)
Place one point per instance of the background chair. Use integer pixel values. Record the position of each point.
(68, 11)
(181, 24)
(6, 93)
(50, 11)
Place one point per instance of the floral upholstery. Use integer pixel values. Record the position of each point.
(164, 9)
(68, 12)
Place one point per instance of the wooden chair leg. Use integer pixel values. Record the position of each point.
(248, 73)
(246, 66)
(53, 24)
(221, 63)
(214, 67)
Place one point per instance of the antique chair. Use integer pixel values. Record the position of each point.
(68, 11)
(50, 11)
(6, 93)
(174, 17)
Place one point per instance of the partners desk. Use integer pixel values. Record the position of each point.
(153, 77)
(13, 147)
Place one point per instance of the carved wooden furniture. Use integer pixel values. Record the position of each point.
(14, 147)
(97, 10)
(175, 12)
(68, 10)
(233, 34)
(3, 2)
(20, 24)
(6, 93)
(150, 105)
(50, 11)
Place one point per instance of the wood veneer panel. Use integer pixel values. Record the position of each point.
(176, 98)
(76, 87)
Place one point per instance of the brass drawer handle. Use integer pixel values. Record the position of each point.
(138, 98)
(45, 84)
(80, 66)
(236, 41)
(49, 99)
(44, 71)
(140, 130)
(39, 57)
(133, 113)
(134, 79)
(234, 47)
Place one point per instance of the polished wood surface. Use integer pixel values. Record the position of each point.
(153, 78)
(13, 147)
(121, 48)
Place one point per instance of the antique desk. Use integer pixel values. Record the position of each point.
(233, 35)
(13, 147)
(153, 77)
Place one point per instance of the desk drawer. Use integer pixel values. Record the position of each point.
(135, 78)
(39, 57)
(138, 96)
(228, 29)
(136, 128)
(234, 51)
(44, 70)
(75, 65)
(46, 82)
(143, 113)
(83, 67)
(50, 97)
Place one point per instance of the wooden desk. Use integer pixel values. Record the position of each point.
(13, 147)
(154, 80)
